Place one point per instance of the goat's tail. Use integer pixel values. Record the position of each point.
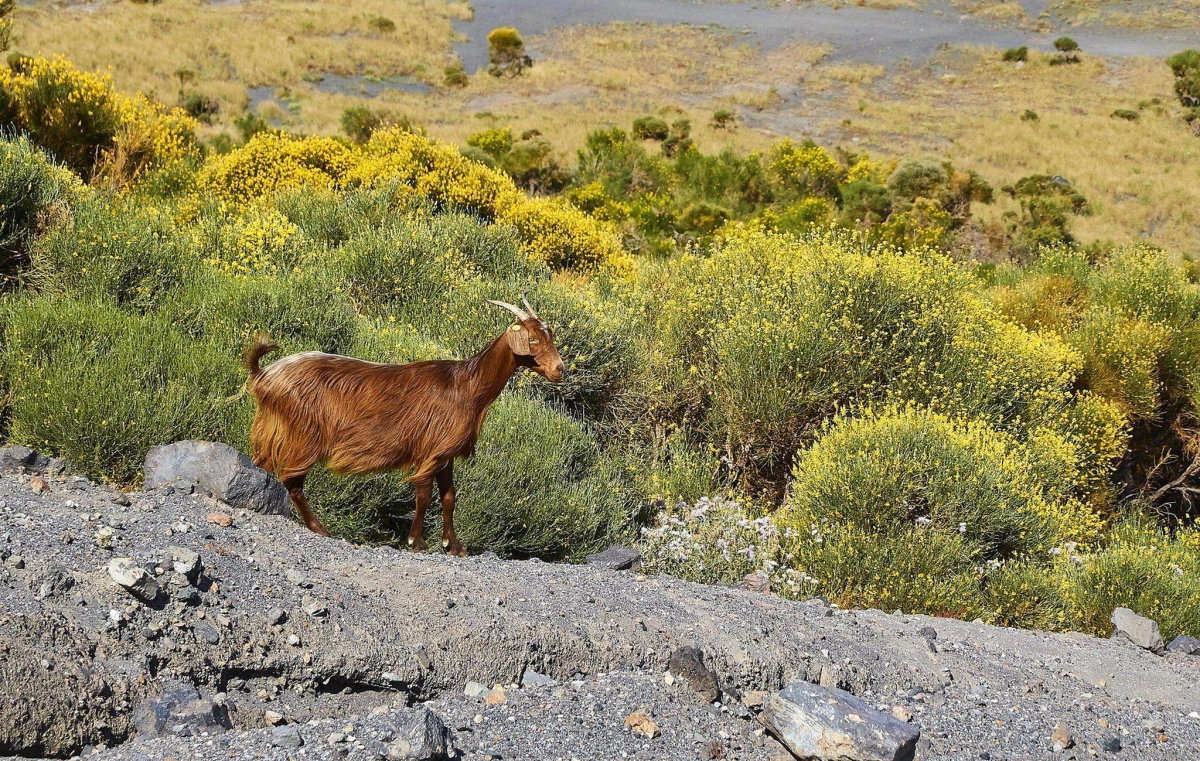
(260, 345)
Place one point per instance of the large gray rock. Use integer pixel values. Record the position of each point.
(832, 725)
(1139, 630)
(617, 559)
(218, 470)
(18, 458)
(420, 735)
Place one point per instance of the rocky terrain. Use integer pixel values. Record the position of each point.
(233, 634)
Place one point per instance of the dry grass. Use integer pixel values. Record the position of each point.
(1142, 177)
(233, 46)
(1150, 14)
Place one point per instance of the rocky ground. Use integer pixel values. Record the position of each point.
(278, 643)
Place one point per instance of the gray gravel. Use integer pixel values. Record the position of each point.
(369, 630)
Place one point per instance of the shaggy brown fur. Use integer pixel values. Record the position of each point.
(364, 417)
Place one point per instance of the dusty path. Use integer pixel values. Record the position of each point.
(857, 33)
(374, 628)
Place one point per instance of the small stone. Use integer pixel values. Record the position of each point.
(902, 713)
(276, 616)
(133, 579)
(15, 561)
(757, 581)
(713, 749)
(1184, 644)
(335, 738)
(1154, 725)
(688, 662)
(293, 640)
(533, 678)
(272, 718)
(928, 632)
(207, 634)
(39, 485)
(1110, 744)
(294, 577)
(497, 696)
(1103, 722)
(185, 561)
(420, 736)
(225, 520)
(641, 724)
(119, 498)
(1061, 737)
(475, 689)
(287, 736)
(754, 699)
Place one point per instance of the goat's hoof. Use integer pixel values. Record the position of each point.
(318, 529)
(416, 545)
(454, 548)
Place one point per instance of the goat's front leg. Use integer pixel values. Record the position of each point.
(445, 481)
(295, 487)
(416, 534)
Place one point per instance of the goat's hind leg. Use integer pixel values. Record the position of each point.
(445, 482)
(295, 487)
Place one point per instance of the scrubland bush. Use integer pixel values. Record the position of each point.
(650, 128)
(81, 120)
(33, 191)
(724, 119)
(506, 52)
(99, 386)
(1016, 54)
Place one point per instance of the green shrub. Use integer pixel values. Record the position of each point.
(1140, 568)
(454, 76)
(360, 122)
(201, 107)
(650, 128)
(249, 124)
(1185, 66)
(1126, 114)
(1029, 116)
(1066, 45)
(724, 119)
(1016, 54)
(98, 386)
(123, 252)
(33, 190)
(495, 142)
(382, 24)
(506, 52)
(539, 486)
(679, 139)
(891, 472)
(533, 166)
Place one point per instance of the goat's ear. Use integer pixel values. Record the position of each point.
(518, 340)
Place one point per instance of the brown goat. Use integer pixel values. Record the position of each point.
(364, 417)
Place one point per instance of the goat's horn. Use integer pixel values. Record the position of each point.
(525, 301)
(520, 313)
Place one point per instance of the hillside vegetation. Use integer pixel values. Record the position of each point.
(777, 362)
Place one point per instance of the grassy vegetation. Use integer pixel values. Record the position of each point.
(781, 360)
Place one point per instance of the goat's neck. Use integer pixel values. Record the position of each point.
(491, 369)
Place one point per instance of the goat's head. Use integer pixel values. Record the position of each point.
(532, 342)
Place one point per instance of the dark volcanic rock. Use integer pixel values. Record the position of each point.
(218, 470)
(827, 723)
(179, 711)
(688, 662)
(420, 735)
(1184, 644)
(17, 458)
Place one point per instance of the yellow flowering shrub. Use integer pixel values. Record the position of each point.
(271, 163)
(553, 232)
(780, 331)
(261, 242)
(80, 119)
(805, 169)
